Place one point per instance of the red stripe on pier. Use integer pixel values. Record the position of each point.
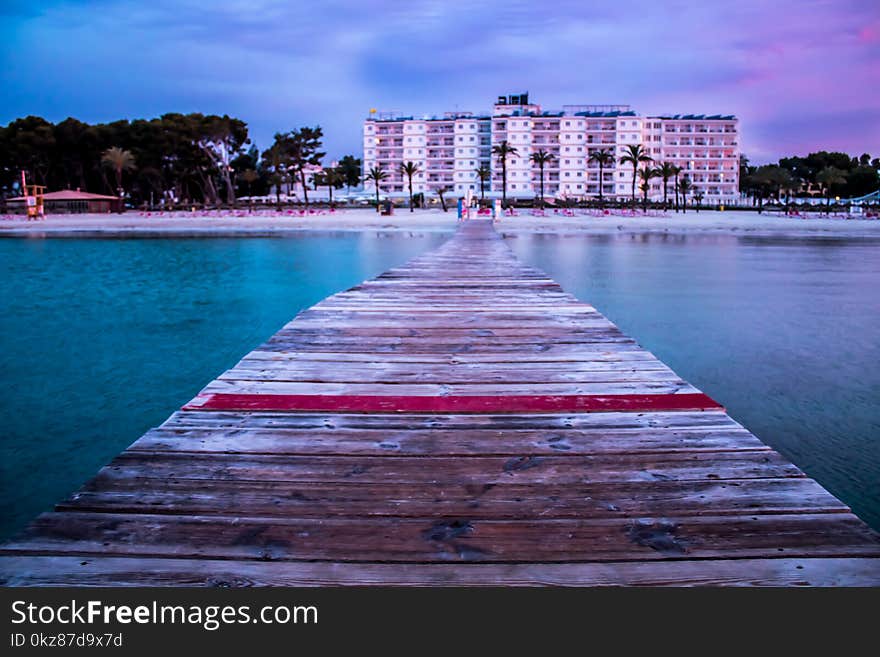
(453, 404)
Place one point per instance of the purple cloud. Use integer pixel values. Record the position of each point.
(800, 75)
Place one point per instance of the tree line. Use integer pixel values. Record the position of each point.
(832, 174)
(175, 159)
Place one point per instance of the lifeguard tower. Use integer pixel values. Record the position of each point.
(33, 199)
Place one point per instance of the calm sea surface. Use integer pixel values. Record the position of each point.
(102, 339)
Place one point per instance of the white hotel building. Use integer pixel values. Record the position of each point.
(449, 149)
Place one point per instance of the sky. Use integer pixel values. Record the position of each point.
(801, 75)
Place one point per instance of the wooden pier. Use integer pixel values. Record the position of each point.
(457, 420)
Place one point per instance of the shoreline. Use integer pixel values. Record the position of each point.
(705, 223)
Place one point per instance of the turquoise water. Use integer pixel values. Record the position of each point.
(103, 339)
(784, 333)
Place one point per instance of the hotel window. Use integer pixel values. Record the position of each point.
(569, 136)
(567, 149)
(567, 123)
(513, 186)
(580, 136)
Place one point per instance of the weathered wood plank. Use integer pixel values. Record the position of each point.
(438, 539)
(479, 470)
(441, 441)
(487, 501)
(123, 571)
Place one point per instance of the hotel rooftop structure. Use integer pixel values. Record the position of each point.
(449, 149)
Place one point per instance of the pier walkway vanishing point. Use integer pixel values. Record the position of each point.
(457, 420)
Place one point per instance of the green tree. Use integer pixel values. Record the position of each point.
(250, 176)
(409, 170)
(440, 192)
(684, 187)
(829, 178)
(676, 172)
(503, 151)
(304, 150)
(484, 174)
(646, 174)
(541, 158)
(635, 155)
(376, 175)
(222, 139)
(276, 164)
(350, 168)
(120, 161)
(666, 172)
(603, 157)
(331, 178)
(74, 152)
(29, 143)
(862, 180)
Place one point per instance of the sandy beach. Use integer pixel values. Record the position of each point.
(263, 223)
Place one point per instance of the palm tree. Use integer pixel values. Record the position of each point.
(484, 173)
(603, 157)
(635, 155)
(541, 158)
(440, 192)
(676, 171)
(698, 197)
(376, 176)
(409, 170)
(250, 176)
(683, 188)
(119, 160)
(666, 171)
(827, 178)
(502, 150)
(646, 174)
(331, 177)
